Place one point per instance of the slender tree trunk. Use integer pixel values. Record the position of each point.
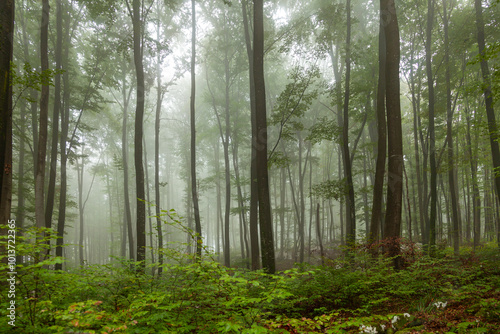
(265, 222)
(378, 186)
(449, 118)
(432, 135)
(6, 56)
(394, 134)
(127, 213)
(148, 198)
(194, 191)
(350, 203)
(55, 118)
(227, 167)
(43, 122)
(476, 197)
(282, 211)
(488, 98)
(318, 231)
(159, 99)
(61, 219)
(254, 228)
(138, 134)
(79, 172)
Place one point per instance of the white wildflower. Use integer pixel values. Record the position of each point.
(406, 315)
(382, 327)
(395, 319)
(368, 329)
(440, 304)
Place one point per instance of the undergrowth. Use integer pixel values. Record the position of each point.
(356, 294)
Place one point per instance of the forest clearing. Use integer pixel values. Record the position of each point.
(249, 166)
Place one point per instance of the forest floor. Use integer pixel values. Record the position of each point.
(354, 294)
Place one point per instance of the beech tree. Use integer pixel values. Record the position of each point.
(6, 55)
(394, 131)
(260, 142)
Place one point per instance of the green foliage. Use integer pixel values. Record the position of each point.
(324, 129)
(336, 189)
(357, 294)
(30, 78)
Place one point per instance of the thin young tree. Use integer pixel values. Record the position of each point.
(43, 122)
(432, 133)
(194, 191)
(449, 133)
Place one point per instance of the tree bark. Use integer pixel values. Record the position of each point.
(449, 118)
(55, 118)
(432, 135)
(138, 149)
(43, 122)
(378, 186)
(254, 228)
(127, 213)
(194, 192)
(488, 98)
(61, 219)
(159, 99)
(350, 203)
(6, 56)
(265, 222)
(392, 227)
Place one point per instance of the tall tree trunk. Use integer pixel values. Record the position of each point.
(79, 172)
(148, 199)
(159, 99)
(55, 118)
(194, 191)
(127, 213)
(265, 222)
(350, 203)
(61, 219)
(254, 228)
(476, 197)
(43, 122)
(449, 118)
(378, 186)
(394, 134)
(6, 54)
(488, 98)
(432, 135)
(138, 149)
(227, 167)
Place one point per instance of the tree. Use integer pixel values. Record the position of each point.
(378, 187)
(346, 157)
(137, 22)
(449, 134)
(6, 54)
(488, 97)
(432, 132)
(194, 192)
(260, 142)
(394, 131)
(253, 219)
(43, 122)
(55, 117)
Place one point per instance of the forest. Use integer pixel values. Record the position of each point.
(249, 166)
